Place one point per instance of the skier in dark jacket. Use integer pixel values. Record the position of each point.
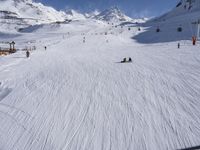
(179, 45)
(27, 54)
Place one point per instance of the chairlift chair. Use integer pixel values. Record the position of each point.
(179, 29)
(158, 30)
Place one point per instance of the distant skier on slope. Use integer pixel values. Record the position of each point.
(27, 54)
(179, 45)
(194, 40)
(84, 39)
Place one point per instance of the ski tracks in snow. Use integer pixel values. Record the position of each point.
(76, 97)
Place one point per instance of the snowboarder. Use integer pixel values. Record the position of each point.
(124, 60)
(129, 60)
(45, 48)
(27, 54)
(179, 45)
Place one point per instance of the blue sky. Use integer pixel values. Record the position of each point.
(133, 8)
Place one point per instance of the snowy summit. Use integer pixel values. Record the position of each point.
(114, 14)
(74, 15)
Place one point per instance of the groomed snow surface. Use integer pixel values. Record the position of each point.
(76, 96)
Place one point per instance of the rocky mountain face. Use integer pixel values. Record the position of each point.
(74, 15)
(113, 14)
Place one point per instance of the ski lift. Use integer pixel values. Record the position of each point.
(189, 7)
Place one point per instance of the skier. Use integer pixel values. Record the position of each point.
(179, 45)
(45, 48)
(27, 54)
(83, 39)
(194, 39)
(129, 60)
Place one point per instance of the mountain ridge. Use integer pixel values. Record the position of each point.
(113, 14)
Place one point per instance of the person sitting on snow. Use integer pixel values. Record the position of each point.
(124, 60)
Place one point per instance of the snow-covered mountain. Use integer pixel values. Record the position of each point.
(18, 13)
(31, 11)
(180, 23)
(92, 14)
(190, 8)
(114, 14)
(74, 15)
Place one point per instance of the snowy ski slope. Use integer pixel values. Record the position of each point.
(76, 96)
